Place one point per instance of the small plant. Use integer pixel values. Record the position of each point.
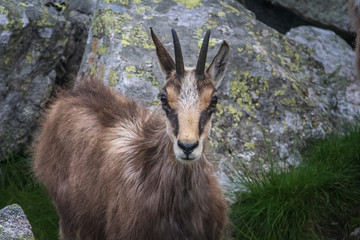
(18, 186)
(320, 198)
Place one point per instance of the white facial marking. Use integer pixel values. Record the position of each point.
(189, 96)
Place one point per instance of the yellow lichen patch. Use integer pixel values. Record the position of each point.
(221, 14)
(142, 9)
(285, 125)
(137, 1)
(112, 78)
(155, 102)
(250, 145)
(236, 114)
(123, 2)
(212, 23)
(219, 110)
(240, 49)
(288, 101)
(199, 33)
(279, 92)
(101, 50)
(211, 43)
(136, 36)
(131, 69)
(30, 57)
(189, 4)
(230, 9)
(107, 22)
(7, 60)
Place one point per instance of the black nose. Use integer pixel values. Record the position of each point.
(188, 148)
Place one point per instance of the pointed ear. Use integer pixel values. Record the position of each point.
(167, 64)
(219, 64)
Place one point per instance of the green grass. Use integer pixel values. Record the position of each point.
(320, 198)
(18, 186)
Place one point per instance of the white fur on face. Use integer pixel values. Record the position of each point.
(189, 95)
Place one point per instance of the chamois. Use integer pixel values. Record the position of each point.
(114, 170)
(354, 6)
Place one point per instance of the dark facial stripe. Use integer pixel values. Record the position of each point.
(173, 118)
(204, 119)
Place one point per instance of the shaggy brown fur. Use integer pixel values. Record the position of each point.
(110, 169)
(354, 6)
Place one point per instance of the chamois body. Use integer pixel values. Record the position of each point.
(111, 166)
(354, 6)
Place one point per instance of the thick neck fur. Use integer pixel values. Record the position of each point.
(170, 190)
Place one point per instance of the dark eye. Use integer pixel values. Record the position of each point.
(163, 99)
(214, 101)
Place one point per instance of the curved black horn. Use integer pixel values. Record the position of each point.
(200, 67)
(180, 69)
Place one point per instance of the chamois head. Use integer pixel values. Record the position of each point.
(189, 96)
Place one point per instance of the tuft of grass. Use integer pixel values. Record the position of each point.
(319, 199)
(17, 185)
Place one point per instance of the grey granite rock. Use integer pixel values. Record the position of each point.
(14, 224)
(332, 14)
(33, 37)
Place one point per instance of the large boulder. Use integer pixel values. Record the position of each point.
(332, 14)
(41, 44)
(14, 224)
(32, 39)
(277, 93)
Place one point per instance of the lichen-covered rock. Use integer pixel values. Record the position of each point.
(32, 39)
(276, 95)
(14, 224)
(333, 13)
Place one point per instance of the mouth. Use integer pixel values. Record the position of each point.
(187, 158)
